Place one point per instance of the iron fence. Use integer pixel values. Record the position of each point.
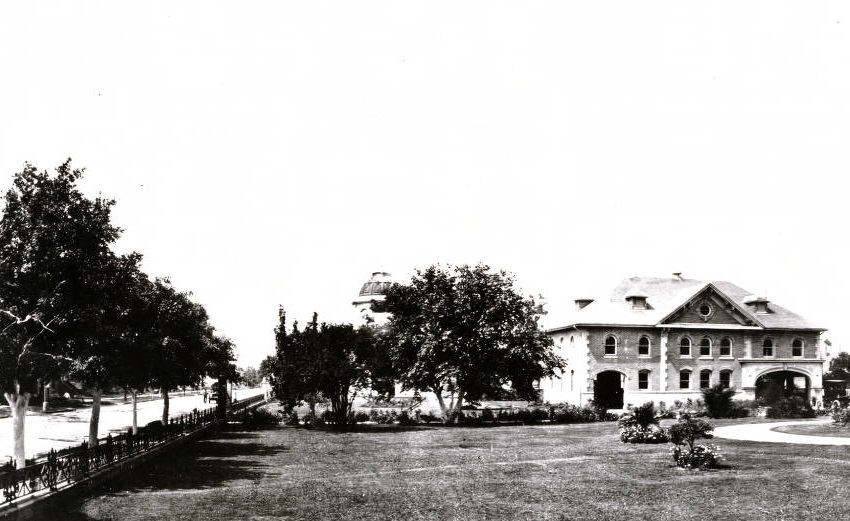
(57, 468)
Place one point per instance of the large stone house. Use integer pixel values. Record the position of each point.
(665, 339)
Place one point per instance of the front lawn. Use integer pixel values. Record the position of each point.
(568, 472)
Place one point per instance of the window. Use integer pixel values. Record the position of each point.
(685, 347)
(767, 347)
(685, 379)
(643, 379)
(705, 311)
(610, 345)
(705, 347)
(704, 379)
(726, 347)
(643, 346)
(725, 378)
(797, 347)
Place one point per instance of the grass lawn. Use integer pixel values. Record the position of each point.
(565, 472)
(820, 429)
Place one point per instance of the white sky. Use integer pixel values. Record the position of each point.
(278, 153)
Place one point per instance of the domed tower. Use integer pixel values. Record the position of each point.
(372, 295)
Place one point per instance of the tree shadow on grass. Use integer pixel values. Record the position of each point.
(206, 463)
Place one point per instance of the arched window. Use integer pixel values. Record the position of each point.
(705, 379)
(643, 379)
(767, 347)
(685, 347)
(705, 347)
(610, 345)
(725, 378)
(797, 347)
(685, 379)
(726, 346)
(643, 346)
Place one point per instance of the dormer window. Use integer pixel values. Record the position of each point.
(757, 304)
(637, 299)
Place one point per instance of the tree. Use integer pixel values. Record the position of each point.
(839, 367)
(184, 344)
(463, 333)
(330, 361)
(250, 376)
(55, 258)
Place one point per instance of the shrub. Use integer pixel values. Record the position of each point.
(359, 417)
(840, 416)
(641, 426)
(636, 434)
(567, 413)
(700, 457)
(644, 415)
(260, 418)
(792, 407)
(383, 417)
(718, 401)
(292, 419)
(683, 435)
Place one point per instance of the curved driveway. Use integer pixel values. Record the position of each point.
(765, 432)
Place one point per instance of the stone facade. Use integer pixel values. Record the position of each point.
(664, 340)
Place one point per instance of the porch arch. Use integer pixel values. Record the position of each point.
(775, 384)
(608, 389)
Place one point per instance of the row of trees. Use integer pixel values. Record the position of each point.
(72, 308)
(462, 333)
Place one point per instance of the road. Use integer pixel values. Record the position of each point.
(63, 429)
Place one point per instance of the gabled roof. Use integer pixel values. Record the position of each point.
(665, 296)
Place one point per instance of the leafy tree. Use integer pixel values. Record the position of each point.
(184, 347)
(839, 367)
(683, 435)
(327, 361)
(55, 258)
(464, 333)
(266, 369)
(250, 376)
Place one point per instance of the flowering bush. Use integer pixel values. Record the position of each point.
(638, 434)
(641, 426)
(840, 416)
(700, 457)
(683, 434)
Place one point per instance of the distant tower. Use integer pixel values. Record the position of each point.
(372, 295)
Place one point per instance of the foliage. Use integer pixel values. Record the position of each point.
(638, 434)
(330, 361)
(683, 435)
(567, 413)
(840, 416)
(700, 457)
(719, 403)
(790, 407)
(465, 333)
(261, 417)
(250, 376)
(641, 426)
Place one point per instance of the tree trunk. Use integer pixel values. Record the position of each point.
(18, 402)
(438, 391)
(458, 405)
(135, 414)
(46, 402)
(164, 406)
(95, 416)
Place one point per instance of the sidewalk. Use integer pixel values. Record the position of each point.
(765, 432)
(68, 427)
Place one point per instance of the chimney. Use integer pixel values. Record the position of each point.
(757, 303)
(678, 275)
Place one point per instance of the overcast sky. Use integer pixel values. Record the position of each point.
(278, 153)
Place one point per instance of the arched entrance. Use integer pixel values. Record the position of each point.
(608, 390)
(772, 387)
